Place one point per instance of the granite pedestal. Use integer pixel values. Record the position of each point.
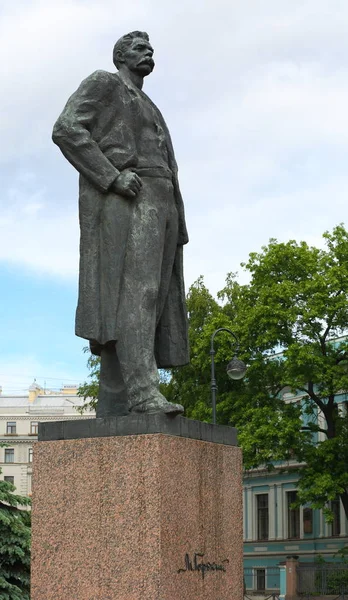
(137, 508)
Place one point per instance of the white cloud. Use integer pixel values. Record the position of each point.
(33, 207)
(255, 94)
(35, 236)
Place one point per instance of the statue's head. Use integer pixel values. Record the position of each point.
(134, 52)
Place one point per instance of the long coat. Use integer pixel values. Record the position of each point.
(98, 132)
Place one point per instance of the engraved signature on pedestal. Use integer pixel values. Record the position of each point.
(197, 564)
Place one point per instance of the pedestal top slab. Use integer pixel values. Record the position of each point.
(137, 425)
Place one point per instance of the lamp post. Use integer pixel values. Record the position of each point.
(235, 369)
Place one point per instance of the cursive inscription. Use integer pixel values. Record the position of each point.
(198, 565)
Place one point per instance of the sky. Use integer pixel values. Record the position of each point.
(255, 94)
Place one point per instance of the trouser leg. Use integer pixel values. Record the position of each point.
(150, 253)
(112, 397)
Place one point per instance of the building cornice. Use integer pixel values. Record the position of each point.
(35, 417)
(19, 439)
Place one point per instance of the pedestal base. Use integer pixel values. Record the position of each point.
(138, 517)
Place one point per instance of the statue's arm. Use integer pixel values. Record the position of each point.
(72, 131)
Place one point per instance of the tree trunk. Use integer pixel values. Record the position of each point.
(330, 414)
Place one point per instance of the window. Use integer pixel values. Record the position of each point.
(260, 580)
(9, 455)
(11, 427)
(30, 455)
(34, 426)
(262, 516)
(9, 479)
(293, 516)
(307, 520)
(336, 523)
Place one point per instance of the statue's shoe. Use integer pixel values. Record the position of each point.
(158, 405)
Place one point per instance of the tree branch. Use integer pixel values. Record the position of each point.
(306, 428)
(313, 396)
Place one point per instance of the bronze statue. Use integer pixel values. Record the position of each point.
(131, 304)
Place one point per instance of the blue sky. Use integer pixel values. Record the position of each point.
(37, 328)
(255, 95)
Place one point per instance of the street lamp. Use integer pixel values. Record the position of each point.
(235, 369)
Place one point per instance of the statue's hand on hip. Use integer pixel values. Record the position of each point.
(127, 184)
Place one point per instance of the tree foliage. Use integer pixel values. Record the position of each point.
(89, 389)
(291, 320)
(14, 544)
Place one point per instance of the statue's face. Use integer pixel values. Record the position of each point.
(138, 57)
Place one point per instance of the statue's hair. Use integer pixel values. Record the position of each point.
(125, 41)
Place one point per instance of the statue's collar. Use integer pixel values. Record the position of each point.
(133, 89)
(128, 83)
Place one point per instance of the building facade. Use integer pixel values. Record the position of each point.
(19, 419)
(274, 530)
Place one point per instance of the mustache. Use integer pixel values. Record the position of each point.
(147, 61)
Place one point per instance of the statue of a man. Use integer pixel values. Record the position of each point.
(131, 304)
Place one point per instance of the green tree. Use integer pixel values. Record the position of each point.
(291, 319)
(14, 544)
(89, 389)
(297, 301)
